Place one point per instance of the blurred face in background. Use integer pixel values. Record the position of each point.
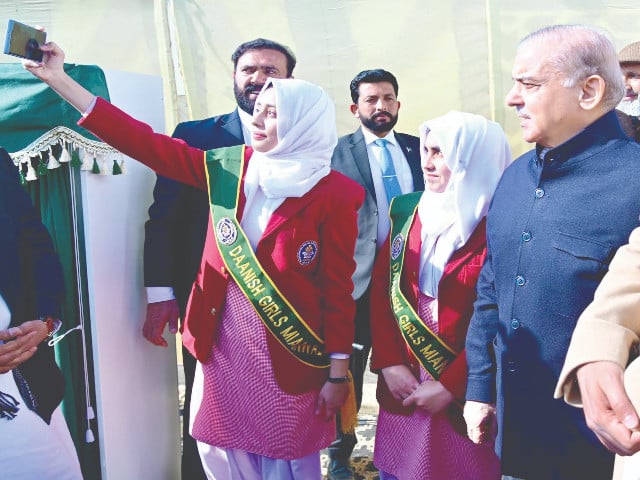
(631, 77)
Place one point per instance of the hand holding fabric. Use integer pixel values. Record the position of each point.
(400, 381)
(607, 408)
(431, 396)
(481, 421)
(159, 315)
(20, 343)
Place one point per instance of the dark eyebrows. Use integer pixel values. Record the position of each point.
(254, 67)
(265, 105)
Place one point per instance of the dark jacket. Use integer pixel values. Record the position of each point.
(31, 284)
(552, 229)
(351, 159)
(178, 217)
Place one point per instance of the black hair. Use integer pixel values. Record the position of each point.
(372, 76)
(264, 44)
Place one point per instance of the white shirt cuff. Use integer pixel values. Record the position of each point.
(159, 294)
(339, 356)
(90, 107)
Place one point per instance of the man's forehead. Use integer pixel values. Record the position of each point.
(530, 63)
(370, 86)
(262, 56)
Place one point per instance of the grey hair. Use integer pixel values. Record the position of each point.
(583, 51)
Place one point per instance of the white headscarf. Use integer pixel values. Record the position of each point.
(306, 139)
(306, 122)
(476, 151)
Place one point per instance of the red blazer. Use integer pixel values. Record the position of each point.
(319, 290)
(456, 294)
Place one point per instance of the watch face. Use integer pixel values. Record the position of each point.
(53, 325)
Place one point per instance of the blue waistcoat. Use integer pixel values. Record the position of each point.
(555, 222)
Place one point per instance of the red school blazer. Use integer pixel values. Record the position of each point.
(456, 295)
(320, 289)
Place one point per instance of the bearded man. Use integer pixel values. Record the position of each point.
(386, 164)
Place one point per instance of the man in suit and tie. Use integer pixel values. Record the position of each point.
(386, 164)
(178, 217)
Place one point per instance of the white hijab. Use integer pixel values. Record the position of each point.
(476, 151)
(306, 138)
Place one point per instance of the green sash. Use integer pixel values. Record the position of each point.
(432, 353)
(224, 170)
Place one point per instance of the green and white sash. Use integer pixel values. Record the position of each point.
(432, 353)
(224, 170)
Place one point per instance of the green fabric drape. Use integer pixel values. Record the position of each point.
(51, 196)
(29, 108)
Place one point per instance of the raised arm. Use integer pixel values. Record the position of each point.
(168, 156)
(51, 71)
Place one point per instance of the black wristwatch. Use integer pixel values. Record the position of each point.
(53, 325)
(344, 379)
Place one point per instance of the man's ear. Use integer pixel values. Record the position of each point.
(592, 92)
(354, 110)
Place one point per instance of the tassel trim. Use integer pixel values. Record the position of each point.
(63, 145)
(349, 410)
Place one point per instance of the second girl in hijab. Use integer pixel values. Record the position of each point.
(422, 300)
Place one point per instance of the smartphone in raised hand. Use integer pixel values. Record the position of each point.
(24, 41)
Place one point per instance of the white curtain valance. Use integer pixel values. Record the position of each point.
(39, 157)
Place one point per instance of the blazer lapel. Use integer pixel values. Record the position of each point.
(361, 161)
(413, 159)
(231, 128)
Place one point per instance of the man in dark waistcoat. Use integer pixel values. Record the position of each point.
(558, 216)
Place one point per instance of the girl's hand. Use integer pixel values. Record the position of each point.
(400, 381)
(431, 396)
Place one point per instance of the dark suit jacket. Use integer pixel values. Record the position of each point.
(178, 217)
(350, 158)
(31, 284)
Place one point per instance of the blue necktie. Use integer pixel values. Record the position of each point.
(389, 177)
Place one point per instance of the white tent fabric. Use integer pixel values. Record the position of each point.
(447, 55)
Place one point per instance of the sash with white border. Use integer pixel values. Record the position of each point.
(224, 170)
(432, 353)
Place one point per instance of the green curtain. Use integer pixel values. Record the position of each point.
(51, 195)
(29, 108)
